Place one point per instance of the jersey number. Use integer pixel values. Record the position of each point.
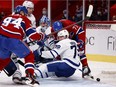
(74, 48)
(16, 22)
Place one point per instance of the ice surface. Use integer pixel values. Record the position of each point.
(97, 68)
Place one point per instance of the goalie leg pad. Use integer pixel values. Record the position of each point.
(10, 68)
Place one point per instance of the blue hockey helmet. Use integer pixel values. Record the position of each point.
(57, 25)
(20, 8)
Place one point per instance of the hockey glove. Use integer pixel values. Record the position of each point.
(40, 43)
(86, 71)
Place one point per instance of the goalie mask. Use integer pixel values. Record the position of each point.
(45, 20)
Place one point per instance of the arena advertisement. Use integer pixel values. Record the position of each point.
(100, 39)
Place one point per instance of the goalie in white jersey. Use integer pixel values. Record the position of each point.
(46, 28)
(69, 62)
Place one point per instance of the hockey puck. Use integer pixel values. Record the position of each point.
(98, 79)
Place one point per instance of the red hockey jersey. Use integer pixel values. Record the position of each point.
(18, 26)
(73, 29)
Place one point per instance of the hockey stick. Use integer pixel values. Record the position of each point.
(91, 77)
(89, 13)
(21, 63)
(88, 76)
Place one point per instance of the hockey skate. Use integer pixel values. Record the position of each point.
(25, 81)
(17, 77)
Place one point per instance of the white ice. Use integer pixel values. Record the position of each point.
(105, 71)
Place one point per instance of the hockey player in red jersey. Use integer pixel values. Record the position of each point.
(12, 31)
(76, 33)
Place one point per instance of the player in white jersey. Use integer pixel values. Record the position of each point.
(30, 7)
(48, 43)
(46, 28)
(44, 24)
(69, 62)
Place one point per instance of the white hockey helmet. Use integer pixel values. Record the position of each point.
(64, 33)
(28, 4)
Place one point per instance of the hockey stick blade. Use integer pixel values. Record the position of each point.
(90, 77)
(89, 13)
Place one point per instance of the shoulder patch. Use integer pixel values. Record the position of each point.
(57, 46)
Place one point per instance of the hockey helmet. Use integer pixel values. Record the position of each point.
(63, 33)
(28, 4)
(57, 25)
(20, 8)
